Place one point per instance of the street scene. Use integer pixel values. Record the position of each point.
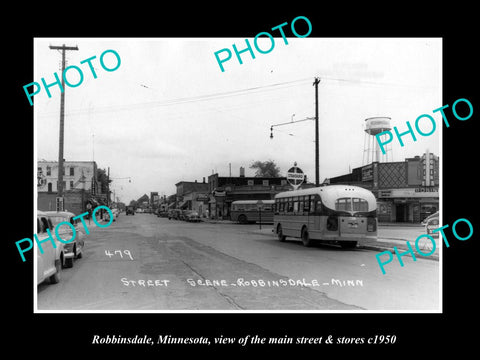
(209, 265)
(250, 182)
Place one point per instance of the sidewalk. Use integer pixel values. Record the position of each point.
(424, 245)
(383, 244)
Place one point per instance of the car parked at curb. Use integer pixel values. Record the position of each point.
(174, 214)
(49, 259)
(431, 223)
(191, 216)
(74, 249)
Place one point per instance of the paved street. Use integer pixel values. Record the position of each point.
(143, 262)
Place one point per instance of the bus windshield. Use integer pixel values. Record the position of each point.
(351, 204)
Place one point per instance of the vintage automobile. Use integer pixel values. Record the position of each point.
(50, 259)
(174, 214)
(115, 212)
(431, 223)
(191, 216)
(130, 210)
(72, 250)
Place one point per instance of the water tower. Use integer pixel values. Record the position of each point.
(371, 148)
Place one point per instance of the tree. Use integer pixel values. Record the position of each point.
(265, 169)
(102, 178)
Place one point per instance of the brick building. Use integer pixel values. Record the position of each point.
(406, 191)
(79, 181)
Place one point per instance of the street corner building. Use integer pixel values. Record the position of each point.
(406, 191)
(80, 185)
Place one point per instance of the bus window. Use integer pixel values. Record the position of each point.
(359, 204)
(295, 206)
(343, 204)
(290, 205)
(306, 205)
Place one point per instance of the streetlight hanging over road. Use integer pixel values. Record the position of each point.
(317, 166)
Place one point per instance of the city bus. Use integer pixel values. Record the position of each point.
(337, 214)
(245, 211)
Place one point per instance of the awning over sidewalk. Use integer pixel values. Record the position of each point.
(185, 204)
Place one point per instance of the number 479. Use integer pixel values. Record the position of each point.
(119, 252)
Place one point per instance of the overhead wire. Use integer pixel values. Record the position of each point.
(192, 99)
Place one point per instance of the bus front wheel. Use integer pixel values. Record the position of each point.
(280, 235)
(306, 238)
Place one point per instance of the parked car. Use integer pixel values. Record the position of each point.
(174, 214)
(50, 259)
(191, 216)
(434, 215)
(139, 210)
(74, 249)
(130, 210)
(431, 223)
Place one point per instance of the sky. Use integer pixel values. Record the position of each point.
(169, 114)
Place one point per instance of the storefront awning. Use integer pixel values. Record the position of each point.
(184, 204)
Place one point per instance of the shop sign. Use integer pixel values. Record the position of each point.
(295, 176)
(367, 173)
(202, 197)
(408, 193)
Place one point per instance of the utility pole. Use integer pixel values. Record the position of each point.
(108, 187)
(317, 165)
(62, 118)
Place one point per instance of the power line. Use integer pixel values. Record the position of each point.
(207, 97)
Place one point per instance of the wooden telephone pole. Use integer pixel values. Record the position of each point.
(62, 118)
(317, 165)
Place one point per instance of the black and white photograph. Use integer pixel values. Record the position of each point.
(274, 174)
(218, 179)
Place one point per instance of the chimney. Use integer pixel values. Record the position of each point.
(242, 171)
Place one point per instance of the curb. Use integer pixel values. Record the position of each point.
(381, 246)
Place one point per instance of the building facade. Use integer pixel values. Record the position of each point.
(77, 175)
(79, 183)
(224, 190)
(192, 195)
(406, 191)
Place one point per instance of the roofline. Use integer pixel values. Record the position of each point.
(320, 189)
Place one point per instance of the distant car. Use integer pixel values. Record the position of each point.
(74, 249)
(191, 216)
(130, 210)
(50, 259)
(139, 210)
